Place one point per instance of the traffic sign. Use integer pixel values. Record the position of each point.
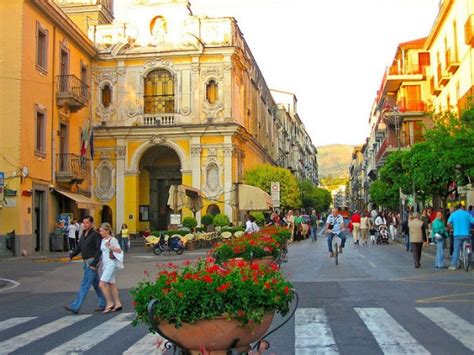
(275, 193)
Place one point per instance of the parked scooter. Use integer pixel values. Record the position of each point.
(169, 244)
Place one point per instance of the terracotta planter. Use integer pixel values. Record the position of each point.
(191, 245)
(216, 335)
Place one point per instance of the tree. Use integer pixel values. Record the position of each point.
(314, 197)
(384, 194)
(263, 175)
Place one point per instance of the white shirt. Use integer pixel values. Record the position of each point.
(251, 227)
(71, 231)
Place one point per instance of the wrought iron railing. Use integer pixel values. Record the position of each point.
(72, 166)
(70, 85)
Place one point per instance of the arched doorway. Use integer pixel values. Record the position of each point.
(107, 215)
(160, 167)
(213, 210)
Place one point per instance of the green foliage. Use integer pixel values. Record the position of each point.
(259, 217)
(189, 222)
(314, 197)
(221, 220)
(169, 232)
(233, 229)
(204, 290)
(207, 219)
(384, 194)
(263, 175)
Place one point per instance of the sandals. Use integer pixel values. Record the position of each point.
(117, 309)
(108, 309)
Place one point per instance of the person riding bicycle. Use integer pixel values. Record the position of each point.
(335, 226)
(460, 222)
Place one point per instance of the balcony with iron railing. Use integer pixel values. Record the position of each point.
(452, 60)
(71, 92)
(71, 168)
(407, 105)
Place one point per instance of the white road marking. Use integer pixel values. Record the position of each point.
(312, 333)
(452, 324)
(12, 322)
(150, 344)
(15, 284)
(372, 264)
(24, 339)
(391, 336)
(91, 338)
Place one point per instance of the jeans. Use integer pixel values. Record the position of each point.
(330, 238)
(456, 250)
(90, 278)
(439, 258)
(407, 242)
(124, 244)
(314, 233)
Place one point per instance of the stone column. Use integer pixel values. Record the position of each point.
(228, 151)
(196, 150)
(120, 154)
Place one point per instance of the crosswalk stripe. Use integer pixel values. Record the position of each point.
(150, 344)
(312, 333)
(35, 334)
(391, 336)
(452, 324)
(94, 336)
(12, 322)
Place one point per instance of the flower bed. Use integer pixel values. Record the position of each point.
(206, 290)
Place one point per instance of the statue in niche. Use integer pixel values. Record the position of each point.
(159, 28)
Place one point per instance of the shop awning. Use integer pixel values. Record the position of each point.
(82, 201)
(252, 198)
(181, 196)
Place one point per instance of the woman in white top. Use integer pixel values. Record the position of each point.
(251, 226)
(110, 246)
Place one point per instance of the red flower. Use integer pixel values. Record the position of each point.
(255, 267)
(267, 285)
(210, 259)
(180, 294)
(274, 266)
(207, 278)
(286, 290)
(240, 313)
(187, 262)
(224, 287)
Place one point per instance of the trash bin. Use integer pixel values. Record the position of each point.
(56, 242)
(10, 242)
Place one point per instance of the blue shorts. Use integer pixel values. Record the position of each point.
(108, 274)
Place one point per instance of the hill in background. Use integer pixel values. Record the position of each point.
(334, 160)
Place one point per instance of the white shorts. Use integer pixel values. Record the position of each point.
(108, 274)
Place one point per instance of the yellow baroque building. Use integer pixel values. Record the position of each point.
(178, 100)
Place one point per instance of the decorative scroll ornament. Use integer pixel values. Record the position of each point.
(105, 173)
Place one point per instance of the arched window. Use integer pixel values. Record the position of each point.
(159, 92)
(106, 95)
(211, 92)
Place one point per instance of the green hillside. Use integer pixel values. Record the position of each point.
(334, 160)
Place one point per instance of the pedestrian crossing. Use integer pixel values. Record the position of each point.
(314, 333)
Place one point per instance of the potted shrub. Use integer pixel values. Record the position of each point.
(259, 217)
(220, 220)
(207, 220)
(205, 306)
(190, 222)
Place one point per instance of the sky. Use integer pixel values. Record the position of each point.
(331, 53)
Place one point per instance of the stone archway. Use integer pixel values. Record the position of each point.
(160, 167)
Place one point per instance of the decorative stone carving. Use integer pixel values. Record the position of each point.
(196, 150)
(228, 150)
(105, 173)
(157, 139)
(156, 64)
(212, 171)
(120, 152)
(214, 72)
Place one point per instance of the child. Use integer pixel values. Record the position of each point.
(372, 232)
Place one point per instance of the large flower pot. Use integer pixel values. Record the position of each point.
(216, 335)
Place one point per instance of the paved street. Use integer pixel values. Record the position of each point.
(374, 302)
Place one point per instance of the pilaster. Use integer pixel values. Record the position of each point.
(120, 154)
(228, 150)
(196, 150)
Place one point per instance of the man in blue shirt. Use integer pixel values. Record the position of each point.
(460, 221)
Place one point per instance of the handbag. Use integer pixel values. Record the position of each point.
(111, 255)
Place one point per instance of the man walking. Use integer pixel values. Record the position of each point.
(460, 221)
(89, 247)
(314, 225)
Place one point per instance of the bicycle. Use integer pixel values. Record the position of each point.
(336, 243)
(465, 254)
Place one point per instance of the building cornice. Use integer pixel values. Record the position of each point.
(60, 19)
(443, 13)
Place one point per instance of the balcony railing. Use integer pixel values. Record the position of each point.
(163, 119)
(469, 31)
(452, 60)
(407, 69)
(443, 76)
(411, 106)
(71, 168)
(71, 92)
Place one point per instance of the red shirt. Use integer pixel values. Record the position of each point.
(355, 218)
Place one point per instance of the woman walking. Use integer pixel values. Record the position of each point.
(364, 227)
(111, 260)
(438, 234)
(124, 238)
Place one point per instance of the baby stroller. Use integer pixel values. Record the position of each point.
(382, 234)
